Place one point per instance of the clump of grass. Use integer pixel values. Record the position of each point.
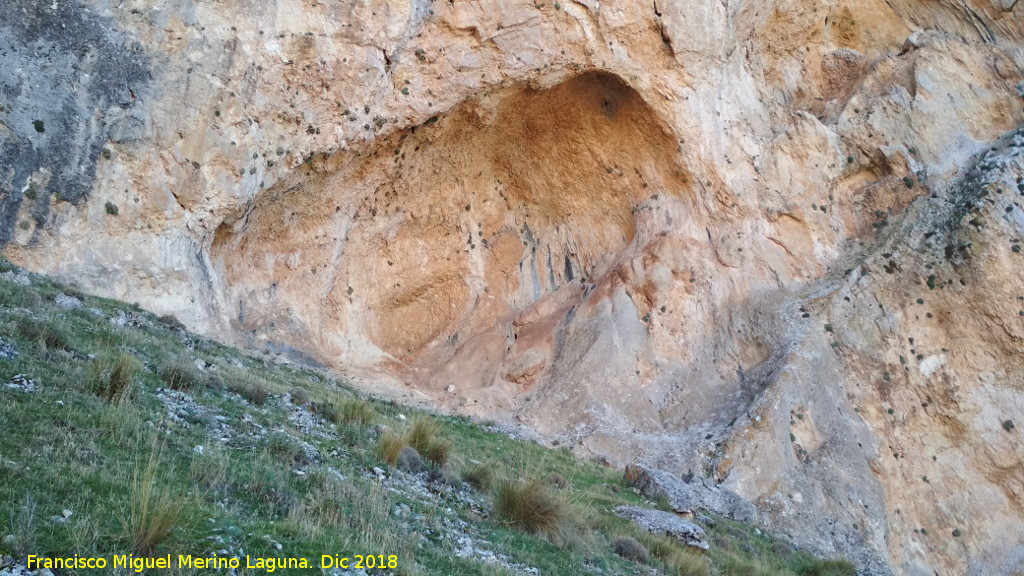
(390, 445)
(630, 549)
(153, 508)
(423, 438)
(676, 557)
(559, 481)
(480, 476)
(43, 332)
(732, 565)
(111, 378)
(283, 447)
(22, 528)
(532, 507)
(353, 411)
(422, 433)
(439, 452)
(268, 486)
(181, 374)
(688, 564)
(254, 391)
(818, 567)
(209, 471)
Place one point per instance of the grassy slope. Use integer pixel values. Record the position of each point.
(67, 446)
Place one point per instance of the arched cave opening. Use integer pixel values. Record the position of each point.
(405, 252)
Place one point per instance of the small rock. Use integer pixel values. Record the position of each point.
(401, 417)
(20, 278)
(66, 302)
(66, 513)
(450, 389)
(198, 449)
(21, 383)
(7, 350)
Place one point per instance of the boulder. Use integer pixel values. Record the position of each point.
(686, 497)
(665, 523)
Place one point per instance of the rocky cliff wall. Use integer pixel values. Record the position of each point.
(757, 241)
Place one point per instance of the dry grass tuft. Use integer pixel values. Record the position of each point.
(439, 452)
(532, 507)
(688, 564)
(353, 411)
(22, 527)
(390, 444)
(422, 436)
(254, 391)
(181, 374)
(480, 476)
(733, 565)
(44, 332)
(111, 378)
(153, 508)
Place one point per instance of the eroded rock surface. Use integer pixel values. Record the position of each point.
(687, 497)
(666, 524)
(773, 244)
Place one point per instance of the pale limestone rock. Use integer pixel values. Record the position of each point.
(607, 221)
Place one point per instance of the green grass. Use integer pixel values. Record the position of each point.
(96, 440)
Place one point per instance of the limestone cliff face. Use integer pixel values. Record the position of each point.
(768, 242)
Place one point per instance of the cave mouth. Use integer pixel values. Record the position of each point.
(449, 229)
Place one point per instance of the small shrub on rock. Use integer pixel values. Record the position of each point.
(630, 549)
(409, 460)
(171, 321)
(300, 397)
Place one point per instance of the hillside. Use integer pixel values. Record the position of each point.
(125, 434)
